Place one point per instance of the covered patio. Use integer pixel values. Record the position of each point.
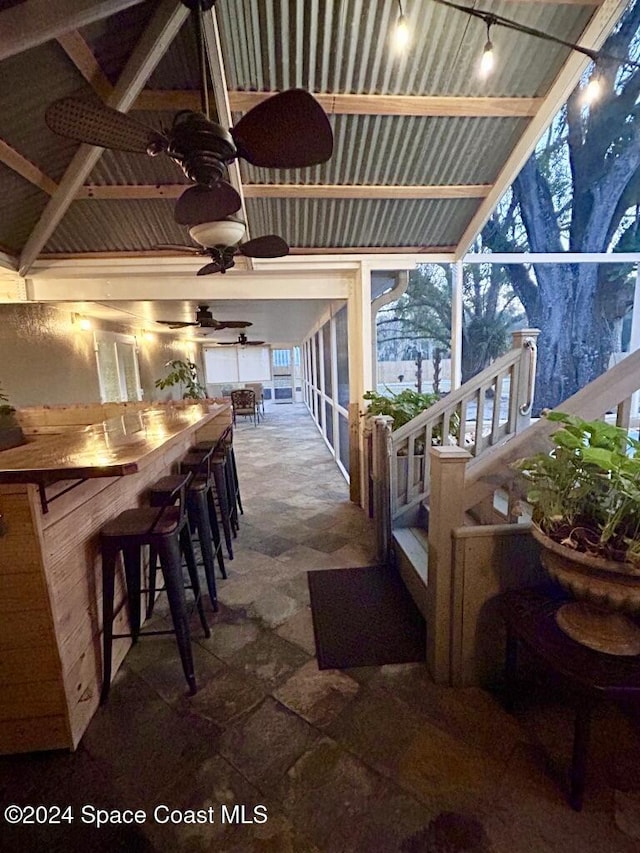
(376, 758)
(92, 260)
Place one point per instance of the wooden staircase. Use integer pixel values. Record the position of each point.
(457, 552)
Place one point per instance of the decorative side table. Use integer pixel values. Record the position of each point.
(589, 676)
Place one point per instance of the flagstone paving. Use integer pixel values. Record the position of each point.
(370, 759)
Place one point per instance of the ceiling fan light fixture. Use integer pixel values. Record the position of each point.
(223, 232)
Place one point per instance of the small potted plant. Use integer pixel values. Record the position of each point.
(11, 434)
(184, 374)
(585, 497)
(403, 407)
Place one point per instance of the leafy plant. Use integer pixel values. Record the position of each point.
(405, 406)
(585, 493)
(5, 409)
(402, 407)
(185, 374)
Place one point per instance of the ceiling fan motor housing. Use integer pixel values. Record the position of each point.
(200, 147)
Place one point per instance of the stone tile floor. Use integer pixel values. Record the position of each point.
(372, 759)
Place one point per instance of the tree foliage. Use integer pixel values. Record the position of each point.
(579, 192)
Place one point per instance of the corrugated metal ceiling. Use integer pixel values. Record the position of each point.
(325, 46)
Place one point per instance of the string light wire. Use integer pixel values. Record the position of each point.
(491, 19)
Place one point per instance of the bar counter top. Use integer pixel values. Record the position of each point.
(112, 448)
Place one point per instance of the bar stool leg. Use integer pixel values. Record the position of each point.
(199, 516)
(221, 494)
(215, 532)
(231, 497)
(132, 567)
(186, 544)
(109, 555)
(151, 588)
(170, 560)
(234, 471)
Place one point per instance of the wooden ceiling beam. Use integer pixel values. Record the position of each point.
(294, 250)
(366, 191)
(131, 191)
(399, 105)
(323, 191)
(153, 44)
(25, 168)
(35, 22)
(82, 57)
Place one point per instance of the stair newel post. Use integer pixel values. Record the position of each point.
(446, 512)
(525, 340)
(382, 479)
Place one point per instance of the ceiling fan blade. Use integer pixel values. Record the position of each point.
(175, 324)
(206, 204)
(288, 131)
(270, 246)
(234, 324)
(92, 122)
(208, 269)
(252, 343)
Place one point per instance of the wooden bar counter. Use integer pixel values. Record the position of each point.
(56, 492)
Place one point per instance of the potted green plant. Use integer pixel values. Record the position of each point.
(403, 407)
(184, 374)
(11, 434)
(585, 497)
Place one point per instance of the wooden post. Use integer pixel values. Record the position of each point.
(381, 485)
(525, 376)
(356, 451)
(446, 512)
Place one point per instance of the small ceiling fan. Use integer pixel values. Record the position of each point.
(204, 319)
(287, 131)
(219, 240)
(242, 341)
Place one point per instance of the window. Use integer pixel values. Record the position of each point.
(118, 372)
(237, 364)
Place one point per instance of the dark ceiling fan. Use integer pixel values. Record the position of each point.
(226, 248)
(204, 319)
(287, 131)
(242, 341)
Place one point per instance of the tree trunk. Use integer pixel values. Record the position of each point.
(576, 338)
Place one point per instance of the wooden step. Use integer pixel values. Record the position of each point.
(411, 546)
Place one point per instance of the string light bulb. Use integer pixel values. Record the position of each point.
(401, 36)
(593, 89)
(487, 61)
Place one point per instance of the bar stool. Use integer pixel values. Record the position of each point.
(165, 529)
(225, 442)
(217, 493)
(202, 519)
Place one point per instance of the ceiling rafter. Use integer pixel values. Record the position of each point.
(164, 26)
(357, 191)
(25, 168)
(338, 104)
(35, 22)
(294, 250)
(82, 57)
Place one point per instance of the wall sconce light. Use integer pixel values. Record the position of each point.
(83, 323)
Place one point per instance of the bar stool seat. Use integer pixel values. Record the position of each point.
(165, 529)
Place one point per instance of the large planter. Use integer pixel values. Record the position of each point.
(11, 434)
(607, 592)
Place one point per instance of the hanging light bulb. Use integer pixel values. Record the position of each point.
(593, 90)
(488, 59)
(401, 35)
